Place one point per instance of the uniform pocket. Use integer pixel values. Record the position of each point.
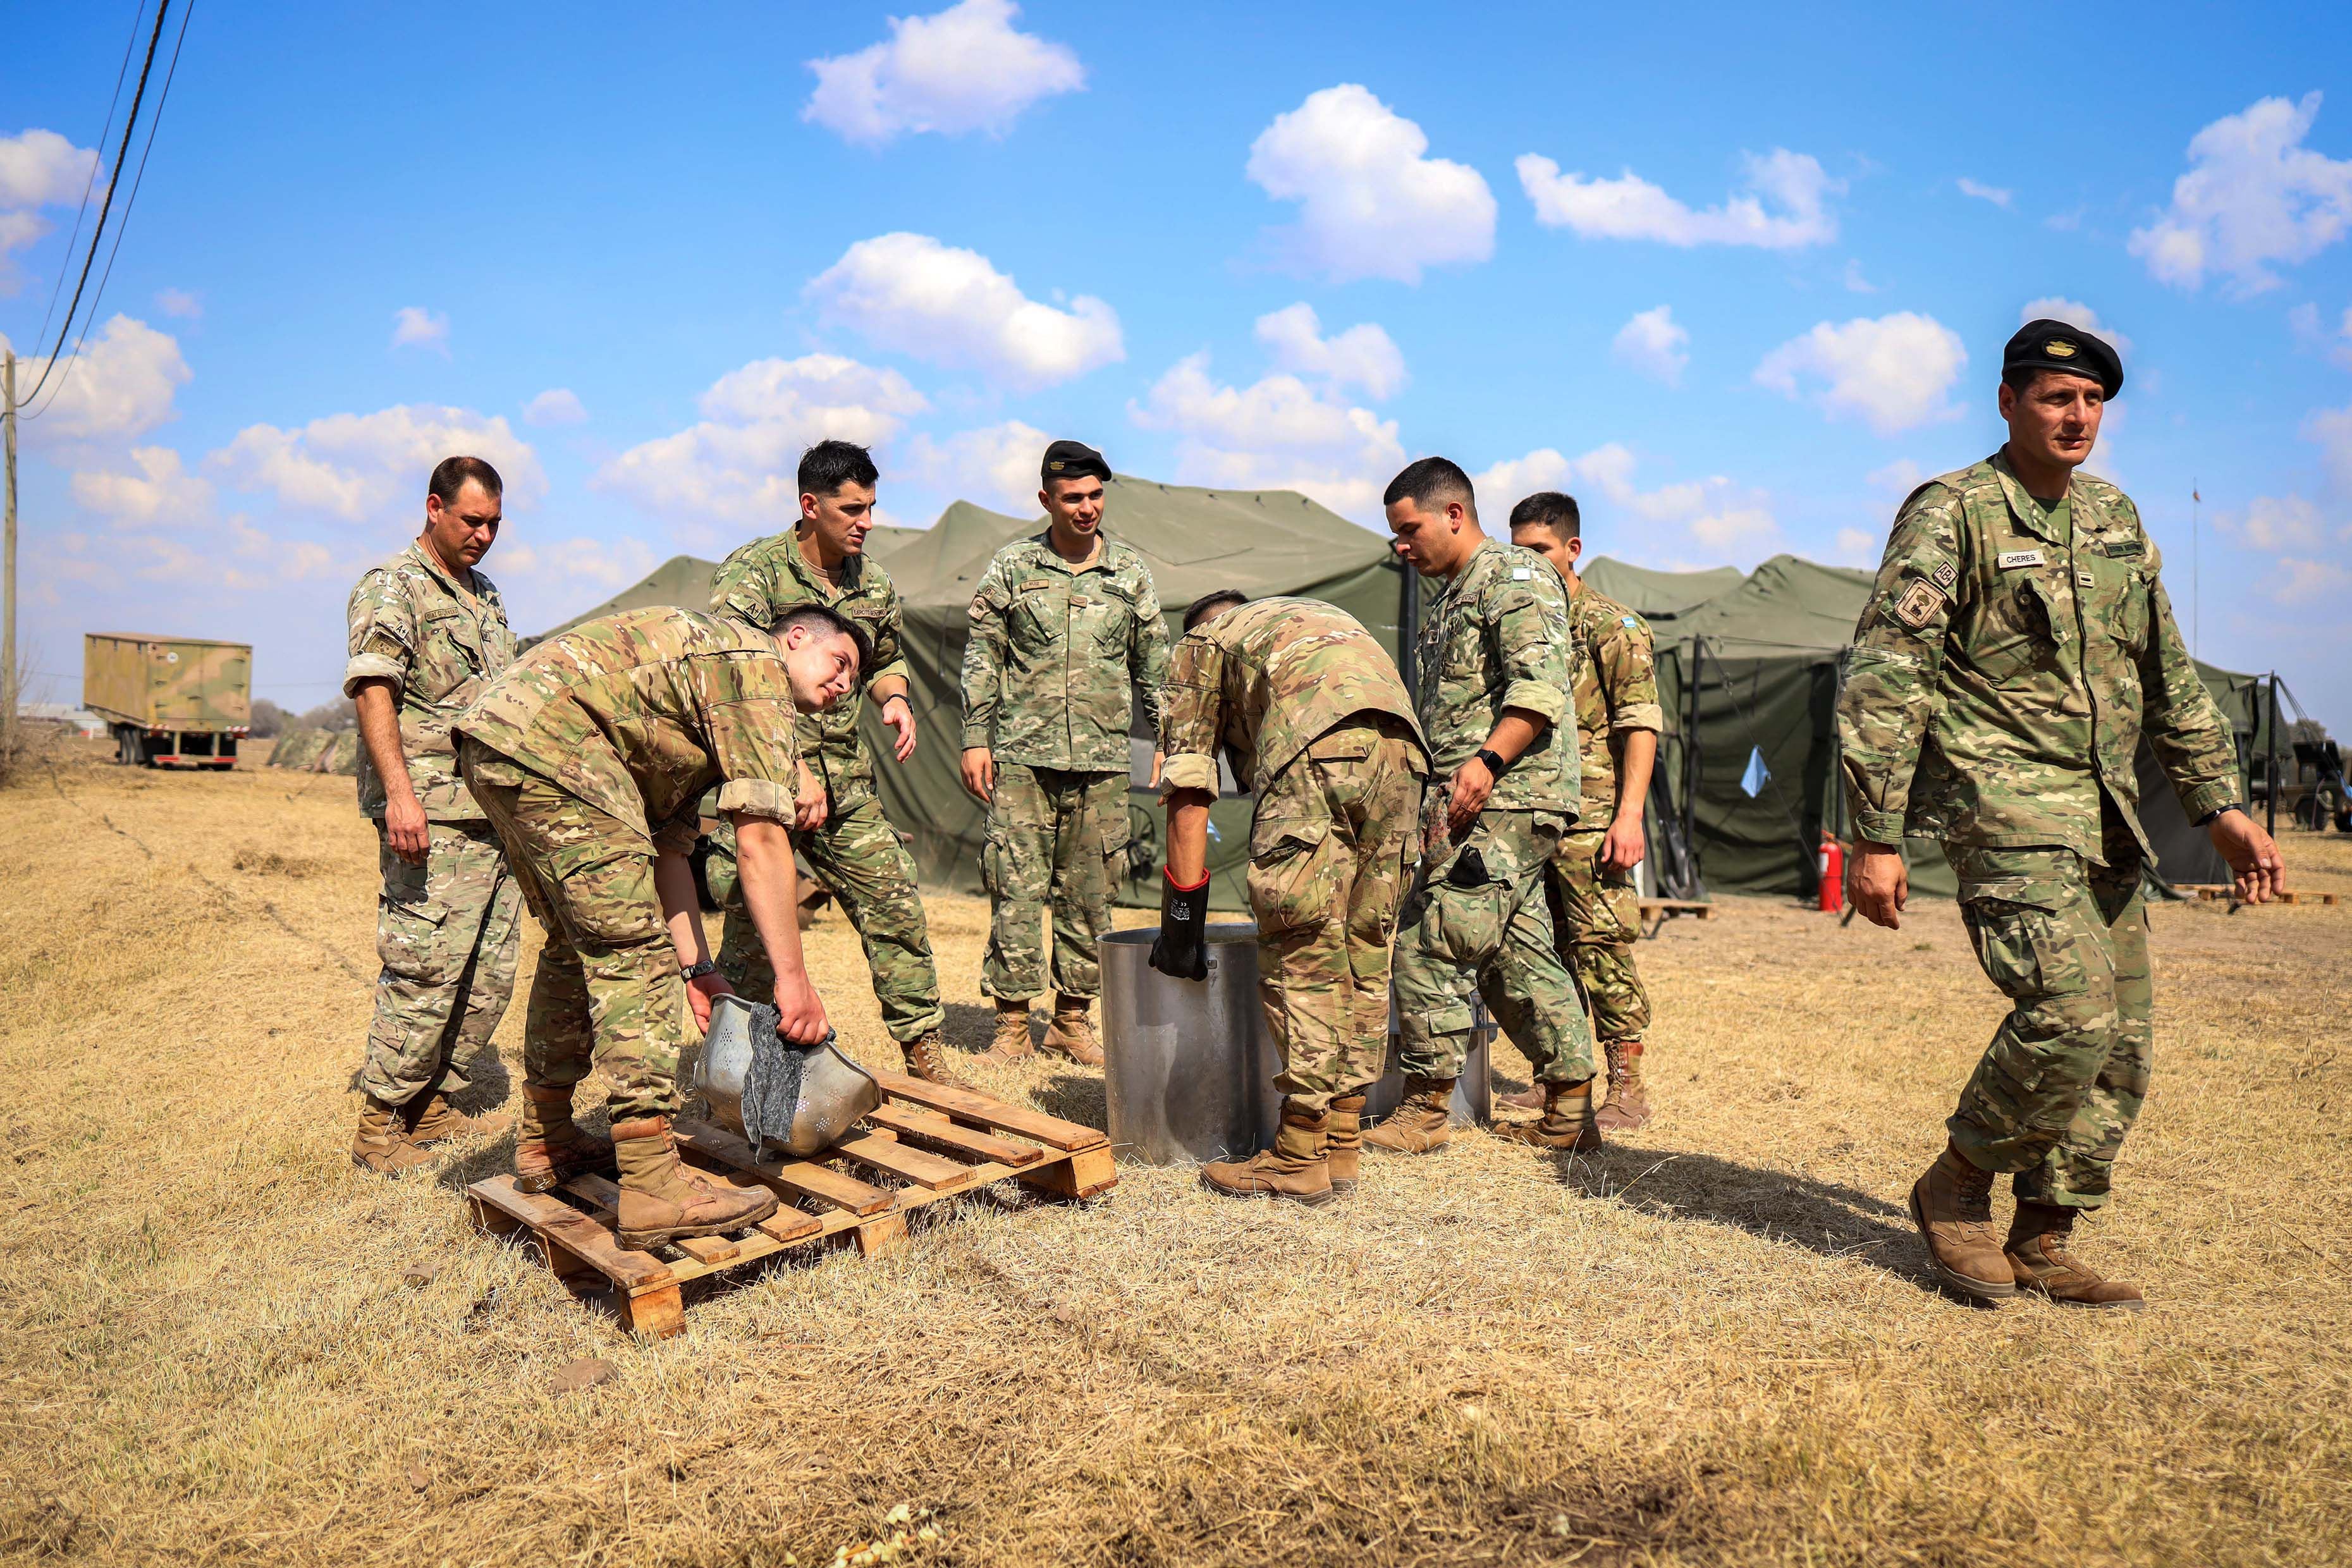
(1465, 925)
(608, 899)
(408, 936)
(2015, 924)
(1290, 881)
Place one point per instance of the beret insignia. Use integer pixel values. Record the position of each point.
(2058, 348)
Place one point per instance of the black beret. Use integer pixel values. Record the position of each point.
(1071, 459)
(2046, 345)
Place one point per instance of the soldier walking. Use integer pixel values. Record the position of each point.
(592, 755)
(427, 630)
(2016, 648)
(839, 824)
(1596, 911)
(1493, 668)
(1065, 628)
(1311, 712)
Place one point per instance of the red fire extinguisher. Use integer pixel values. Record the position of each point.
(1833, 874)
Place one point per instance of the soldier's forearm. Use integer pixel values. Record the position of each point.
(1188, 836)
(770, 885)
(1512, 734)
(681, 906)
(379, 715)
(1637, 753)
(887, 688)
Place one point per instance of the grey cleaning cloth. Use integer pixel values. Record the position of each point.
(772, 1088)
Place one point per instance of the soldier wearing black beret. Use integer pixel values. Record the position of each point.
(2017, 649)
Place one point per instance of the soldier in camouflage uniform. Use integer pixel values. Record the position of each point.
(427, 630)
(1492, 669)
(592, 755)
(1312, 713)
(843, 831)
(1064, 627)
(1595, 908)
(2017, 649)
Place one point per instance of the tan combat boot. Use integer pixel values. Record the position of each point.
(1072, 1033)
(1423, 1124)
(1952, 1207)
(665, 1199)
(2040, 1262)
(1567, 1121)
(926, 1059)
(381, 1144)
(1629, 1101)
(1345, 1142)
(1294, 1168)
(1011, 1041)
(551, 1148)
(433, 1120)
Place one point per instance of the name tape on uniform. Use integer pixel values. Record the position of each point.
(2012, 559)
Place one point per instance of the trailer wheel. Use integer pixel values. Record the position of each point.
(2328, 804)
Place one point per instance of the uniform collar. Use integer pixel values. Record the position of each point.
(432, 563)
(852, 570)
(1053, 557)
(2022, 506)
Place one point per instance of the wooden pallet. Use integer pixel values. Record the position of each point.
(924, 1143)
(2219, 892)
(1661, 909)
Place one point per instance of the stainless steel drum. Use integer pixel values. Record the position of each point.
(1474, 1091)
(1188, 1068)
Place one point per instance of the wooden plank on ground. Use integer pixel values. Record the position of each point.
(965, 1105)
(884, 1153)
(939, 1129)
(575, 1231)
(1698, 908)
(793, 1177)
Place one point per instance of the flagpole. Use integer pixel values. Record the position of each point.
(2195, 577)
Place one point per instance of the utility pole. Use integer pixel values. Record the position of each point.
(9, 646)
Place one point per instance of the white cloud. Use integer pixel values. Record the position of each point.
(996, 467)
(1859, 547)
(1996, 194)
(372, 467)
(607, 563)
(2331, 429)
(1653, 344)
(2074, 314)
(2311, 332)
(1893, 373)
(161, 490)
(963, 70)
(2253, 196)
(2302, 580)
(1371, 204)
(1855, 283)
(2277, 522)
(1364, 356)
(119, 387)
(37, 169)
(950, 306)
(414, 326)
(1278, 433)
(1899, 477)
(739, 464)
(556, 406)
(180, 302)
(1713, 513)
(1781, 206)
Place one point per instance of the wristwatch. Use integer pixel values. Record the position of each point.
(697, 971)
(1494, 764)
(2214, 815)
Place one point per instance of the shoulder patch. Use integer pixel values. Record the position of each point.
(1629, 622)
(1918, 604)
(1520, 573)
(1946, 574)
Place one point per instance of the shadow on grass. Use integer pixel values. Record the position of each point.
(1075, 1096)
(969, 1027)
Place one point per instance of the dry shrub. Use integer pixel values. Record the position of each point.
(1713, 1343)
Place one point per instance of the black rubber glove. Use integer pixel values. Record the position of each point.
(1182, 948)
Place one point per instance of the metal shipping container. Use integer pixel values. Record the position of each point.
(169, 702)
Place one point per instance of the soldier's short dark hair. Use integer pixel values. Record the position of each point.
(1209, 604)
(1555, 509)
(829, 465)
(450, 474)
(827, 622)
(1430, 482)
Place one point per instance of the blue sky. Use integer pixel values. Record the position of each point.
(1734, 277)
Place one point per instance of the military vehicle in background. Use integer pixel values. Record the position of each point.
(169, 702)
(2311, 788)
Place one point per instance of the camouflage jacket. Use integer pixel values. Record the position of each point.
(637, 714)
(1055, 651)
(1497, 638)
(414, 625)
(1616, 691)
(769, 576)
(2007, 665)
(1265, 680)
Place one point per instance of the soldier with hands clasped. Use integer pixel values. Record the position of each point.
(2017, 647)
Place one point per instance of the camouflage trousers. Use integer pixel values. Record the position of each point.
(609, 990)
(1477, 923)
(1596, 917)
(1331, 849)
(2061, 1085)
(447, 932)
(1056, 838)
(858, 855)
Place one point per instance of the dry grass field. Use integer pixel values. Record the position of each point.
(1714, 1344)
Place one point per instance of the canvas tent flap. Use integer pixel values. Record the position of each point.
(1658, 595)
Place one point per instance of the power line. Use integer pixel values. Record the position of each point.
(121, 74)
(90, 258)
